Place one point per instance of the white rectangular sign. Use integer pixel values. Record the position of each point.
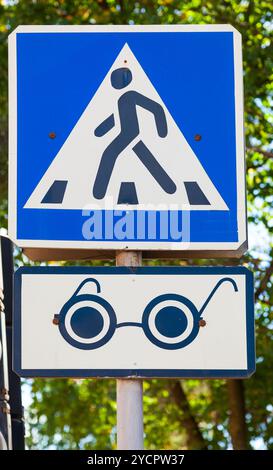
(120, 322)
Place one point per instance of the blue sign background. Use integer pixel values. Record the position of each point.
(58, 74)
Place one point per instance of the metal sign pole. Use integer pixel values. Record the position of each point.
(129, 391)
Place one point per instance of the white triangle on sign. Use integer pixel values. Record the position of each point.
(75, 166)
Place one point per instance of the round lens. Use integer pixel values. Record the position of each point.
(87, 322)
(171, 321)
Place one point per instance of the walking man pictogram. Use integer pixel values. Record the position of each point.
(129, 130)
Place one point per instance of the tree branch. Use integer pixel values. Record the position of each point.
(194, 438)
(264, 281)
(237, 423)
(262, 152)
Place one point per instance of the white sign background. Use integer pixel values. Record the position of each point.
(220, 345)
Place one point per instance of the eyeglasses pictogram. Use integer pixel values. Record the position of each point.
(169, 321)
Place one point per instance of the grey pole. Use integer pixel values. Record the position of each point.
(129, 391)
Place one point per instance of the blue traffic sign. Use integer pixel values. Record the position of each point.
(127, 138)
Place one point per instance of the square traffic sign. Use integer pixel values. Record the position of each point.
(127, 138)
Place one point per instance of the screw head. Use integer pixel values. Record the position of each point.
(197, 137)
(52, 135)
(55, 321)
(202, 322)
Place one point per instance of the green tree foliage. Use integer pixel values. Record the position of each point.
(189, 414)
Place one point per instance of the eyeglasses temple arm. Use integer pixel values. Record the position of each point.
(225, 279)
(90, 279)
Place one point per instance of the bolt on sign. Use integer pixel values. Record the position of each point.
(173, 330)
(141, 147)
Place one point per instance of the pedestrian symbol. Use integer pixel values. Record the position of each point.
(127, 106)
(135, 155)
